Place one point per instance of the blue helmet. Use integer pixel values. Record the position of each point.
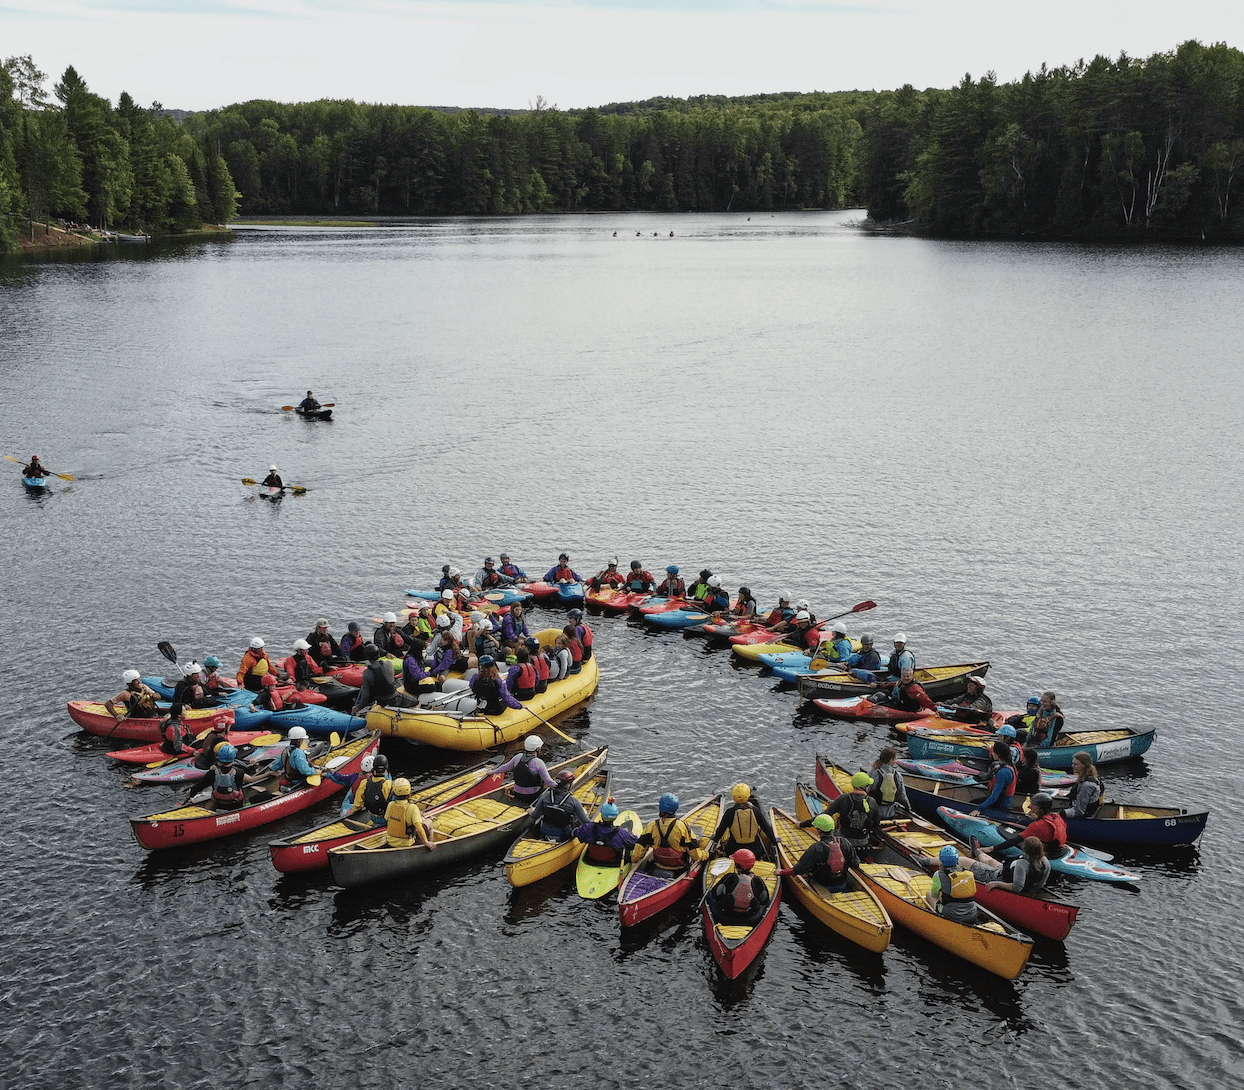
(227, 754)
(575, 614)
(1034, 702)
(609, 811)
(212, 662)
(487, 660)
(949, 856)
(1007, 731)
(672, 569)
(533, 644)
(668, 803)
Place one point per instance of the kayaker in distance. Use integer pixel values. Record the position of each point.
(135, 701)
(855, 812)
(352, 643)
(308, 404)
(640, 580)
(403, 820)
(829, 860)
(744, 608)
(741, 897)
(699, 588)
(953, 891)
(273, 479)
(34, 468)
(608, 576)
(557, 812)
(512, 570)
(388, 638)
(562, 572)
(715, 598)
(671, 586)
(488, 578)
(673, 846)
(531, 776)
(742, 823)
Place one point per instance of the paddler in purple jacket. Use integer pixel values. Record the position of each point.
(531, 776)
(607, 843)
(562, 572)
(514, 626)
(489, 689)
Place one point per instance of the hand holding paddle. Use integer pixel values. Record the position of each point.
(296, 489)
(62, 476)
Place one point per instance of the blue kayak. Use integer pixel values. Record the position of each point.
(677, 618)
(791, 665)
(1075, 862)
(501, 596)
(571, 594)
(165, 687)
(314, 719)
(35, 482)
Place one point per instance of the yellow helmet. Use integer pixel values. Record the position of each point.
(741, 792)
(401, 787)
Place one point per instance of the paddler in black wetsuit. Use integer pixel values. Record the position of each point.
(273, 479)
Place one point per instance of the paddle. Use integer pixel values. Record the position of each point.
(326, 405)
(62, 476)
(167, 650)
(860, 607)
(296, 489)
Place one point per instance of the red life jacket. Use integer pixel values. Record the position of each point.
(275, 697)
(541, 662)
(562, 572)
(576, 651)
(665, 856)
(527, 678)
(1010, 787)
(743, 896)
(585, 638)
(1056, 828)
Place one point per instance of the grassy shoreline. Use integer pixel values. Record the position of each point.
(50, 237)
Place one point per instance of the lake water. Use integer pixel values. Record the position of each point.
(1026, 453)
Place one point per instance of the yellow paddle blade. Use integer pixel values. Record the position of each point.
(287, 408)
(334, 740)
(297, 489)
(160, 764)
(265, 740)
(64, 476)
(249, 480)
(314, 780)
(10, 458)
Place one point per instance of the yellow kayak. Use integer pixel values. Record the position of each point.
(531, 858)
(595, 880)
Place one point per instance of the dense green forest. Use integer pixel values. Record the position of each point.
(1119, 148)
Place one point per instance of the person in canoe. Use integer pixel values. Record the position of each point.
(293, 764)
(388, 638)
(1022, 721)
(608, 576)
(136, 701)
(226, 776)
(1027, 874)
(582, 632)
(742, 823)
(511, 570)
(562, 572)
(273, 479)
(639, 579)
(488, 578)
(900, 658)
(607, 844)
(857, 815)
(206, 747)
(1047, 826)
(255, 666)
(833, 647)
(906, 693)
(514, 631)
(953, 891)
(741, 897)
(829, 860)
(1028, 772)
(372, 792)
(489, 689)
(975, 706)
(177, 737)
(669, 837)
(864, 663)
(1047, 723)
(34, 468)
(557, 812)
(531, 776)
(1085, 797)
(308, 404)
(671, 586)
(888, 790)
(324, 648)
(1001, 776)
(404, 823)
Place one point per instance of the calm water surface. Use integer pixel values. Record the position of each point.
(1024, 453)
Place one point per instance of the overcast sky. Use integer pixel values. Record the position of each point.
(197, 54)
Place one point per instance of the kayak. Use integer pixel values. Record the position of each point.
(751, 652)
(735, 946)
(595, 880)
(653, 604)
(185, 770)
(315, 719)
(939, 682)
(145, 755)
(539, 590)
(35, 483)
(303, 708)
(571, 594)
(791, 664)
(642, 893)
(745, 631)
(166, 686)
(676, 618)
(1076, 861)
(315, 414)
(500, 596)
(92, 716)
(201, 820)
(609, 600)
(855, 913)
(1102, 746)
(533, 857)
(860, 707)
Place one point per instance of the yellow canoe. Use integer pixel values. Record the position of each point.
(474, 733)
(531, 858)
(855, 914)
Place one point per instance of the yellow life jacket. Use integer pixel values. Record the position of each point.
(744, 828)
(402, 817)
(962, 886)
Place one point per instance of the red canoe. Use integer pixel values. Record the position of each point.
(642, 894)
(145, 755)
(92, 716)
(199, 822)
(735, 947)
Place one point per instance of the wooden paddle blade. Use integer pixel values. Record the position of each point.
(10, 458)
(249, 480)
(166, 649)
(329, 405)
(314, 780)
(287, 408)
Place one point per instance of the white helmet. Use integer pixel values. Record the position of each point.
(190, 669)
(256, 644)
(130, 675)
(802, 604)
(455, 571)
(390, 618)
(368, 762)
(840, 628)
(297, 734)
(784, 596)
(301, 645)
(532, 743)
(900, 637)
(714, 580)
(444, 621)
(476, 616)
(613, 562)
(803, 615)
(271, 469)
(447, 595)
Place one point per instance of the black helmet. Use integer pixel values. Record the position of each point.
(373, 652)
(380, 764)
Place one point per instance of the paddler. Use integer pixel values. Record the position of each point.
(639, 579)
(829, 860)
(1085, 797)
(489, 688)
(900, 658)
(697, 591)
(855, 813)
(802, 634)
(888, 790)
(1047, 723)
(512, 570)
(34, 468)
(582, 632)
(557, 812)
(607, 844)
(907, 694)
(370, 798)
(488, 578)
(388, 638)
(353, 646)
(273, 479)
(136, 701)
(531, 776)
(673, 846)
(514, 631)
(403, 821)
(744, 608)
(953, 891)
(741, 897)
(227, 777)
(1028, 772)
(255, 666)
(834, 645)
(267, 699)
(562, 572)
(212, 681)
(608, 576)
(975, 706)
(1027, 874)
(742, 823)
(864, 663)
(780, 618)
(324, 649)
(308, 404)
(294, 765)
(190, 692)
(1002, 777)
(178, 738)
(1047, 826)
(205, 748)
(671, 586)
(715, 598)
(1022, 721)
(301, 665)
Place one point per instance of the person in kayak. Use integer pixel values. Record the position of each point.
(267, 699)
(352, 643)
(490, 690)
(834, 645)
(562, 572)
(582, 632)
(511, 570)
(857, 815)
(1047, 826)
(177, 737)
(672, 843)
(744, 608)
(190, 692)
(829, 860)
(742, 823)
(699, 589)
(294, 765)
(404, 823)
(608, 576)
(907, 693)
(1002, 777)
(1047, 724)
(488, 578)
(136, 701)
(308, 404)
(864, 664)
(531, 776)
(888, 790)
(213, 683)
(954, 890)
(371, 796)
(1022, 721)
(1086, 794)
(301, 665)
(975, 706)
(1027, 874)
(802, 634)
(671, 586)
(741, 897)
(639, 579)
(273, 479)
(255, 666)
(514, 631)
(388, 638)
(324, 649)
(715, 599)
(34, 468)
(607, 844)
(557, 812)
(781, 616)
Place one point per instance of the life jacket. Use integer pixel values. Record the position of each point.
(893, 664)
(562, 572)
(600, 848)
(528, 679)
(1053, 848)
(885, 790)
(856, 817)
(576, 654)
(957, 885)
(393, 640)
(663, 851)
(490, 580)
(672, 588)
(833, 871)
(488, 692)
(140, 705)
(744, 897)
(376, 795)
(997, 766)
(637, 581)
(399, 824)
(290, 777)
(512, 570)
(905, 701)
(268, 697)
(541, 662)
(1035, 878)
(716, 600)
(1075, 790)
(176, 736)
(558, 813)
(523, 775)
(382, 690)
(227, 784)
(744, 828)
(585, 640)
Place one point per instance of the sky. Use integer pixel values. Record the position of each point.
(200, 54)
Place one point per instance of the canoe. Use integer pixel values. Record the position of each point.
(473, 733)
(1038, 912)
(145, 755)
(855, 914)
(463, 830)
(735, 946)
(315, 414)
(940, 682)
(596, 880)
(1136, 825)
(1103, 746)
(184, 770)
(1076, 861)
(676, 619)
(642, 894)
(953, 771)
(91, 716)
(35, 483)
(532, 857)
(608, 600)
(571, 594)
(201, 821)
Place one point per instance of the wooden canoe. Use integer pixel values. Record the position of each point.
(735, 946)
(531, 858)
(1103, 746)
(642, 894)
(939, 682)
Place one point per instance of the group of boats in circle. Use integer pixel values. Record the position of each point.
(473, 812)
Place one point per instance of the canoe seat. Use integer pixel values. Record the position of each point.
(185, 812)
(734, 931)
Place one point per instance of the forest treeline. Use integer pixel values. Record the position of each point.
(1121, 148)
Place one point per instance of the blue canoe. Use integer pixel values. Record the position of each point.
(35, 482)
(677, 618)
(571, 594)
(502, 596)
(1076, 861)
(1103, 746)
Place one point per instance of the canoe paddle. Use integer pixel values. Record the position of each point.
(62, 476)
(296, 489)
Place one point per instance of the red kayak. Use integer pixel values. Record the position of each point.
(736, 946)
(201, 821)
(145, 755)
(91, 715)
(540, 591)
(651, 605)
(609, 600)
(860, 707)
(758, 633)
(746, 631)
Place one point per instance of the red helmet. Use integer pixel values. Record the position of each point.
(744, 859)
(269, 680)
